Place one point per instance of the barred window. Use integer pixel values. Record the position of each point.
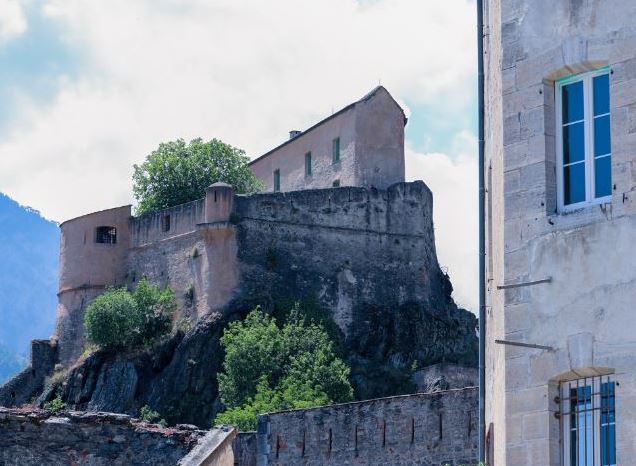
(106, 235)
(588, 422)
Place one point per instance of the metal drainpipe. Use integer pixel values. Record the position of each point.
(482, 235)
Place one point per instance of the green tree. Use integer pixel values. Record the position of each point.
(267, 368)
(113, 319)
(177, 173)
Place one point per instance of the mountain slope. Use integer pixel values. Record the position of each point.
(29, 251)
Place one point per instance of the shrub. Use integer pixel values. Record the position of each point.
(113, 319)
(146, 414)
(119, 319)
(55, 406)
(267, 368)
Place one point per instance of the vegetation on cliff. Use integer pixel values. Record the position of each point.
(120, 319)
(177, 173)
(270, 368)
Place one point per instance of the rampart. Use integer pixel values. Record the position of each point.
(35, 438)
(335, 247)
(421, 429)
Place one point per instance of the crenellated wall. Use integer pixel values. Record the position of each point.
(420, 429)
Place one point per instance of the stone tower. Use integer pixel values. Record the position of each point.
(561, 208)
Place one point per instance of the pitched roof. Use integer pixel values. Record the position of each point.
(368, 96)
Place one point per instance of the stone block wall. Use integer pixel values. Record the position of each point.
(35, 438)
(586, 254)
(244, 447)
(29, 382)
(338, 247)
(421, 429)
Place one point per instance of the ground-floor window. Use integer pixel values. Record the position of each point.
(588, 421)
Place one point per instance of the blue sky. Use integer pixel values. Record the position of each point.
(89, 87)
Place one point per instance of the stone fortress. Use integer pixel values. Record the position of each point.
(337, 226)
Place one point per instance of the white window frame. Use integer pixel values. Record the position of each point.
(595, 384)
(588, 115)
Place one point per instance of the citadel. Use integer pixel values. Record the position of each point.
(337, 224)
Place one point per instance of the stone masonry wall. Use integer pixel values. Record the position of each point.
(422, 429)
(584, 310)
(26, 385)
(35, 438)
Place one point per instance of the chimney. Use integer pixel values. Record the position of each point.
(293, 133)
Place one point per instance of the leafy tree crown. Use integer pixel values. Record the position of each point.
(177, 173)
(267, 368)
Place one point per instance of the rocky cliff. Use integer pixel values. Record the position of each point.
(178, 378)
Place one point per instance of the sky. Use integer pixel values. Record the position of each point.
(88, 88)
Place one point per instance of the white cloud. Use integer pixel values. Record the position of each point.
(12, 20)
(246, 72)
(453, 181)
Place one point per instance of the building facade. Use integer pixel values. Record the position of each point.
(561, 223)
(360, 145)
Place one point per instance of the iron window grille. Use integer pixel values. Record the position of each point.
(106, 235)
(588, 421)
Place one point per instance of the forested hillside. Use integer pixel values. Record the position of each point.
(29, 250)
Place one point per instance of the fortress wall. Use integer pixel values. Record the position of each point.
(183, 219)
(420, 429)
(34, 438)
(86, 269)
(27, 384)
(200, 267)
(343, 248)
(86, 263)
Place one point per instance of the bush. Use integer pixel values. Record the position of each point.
(119, 319)
(55, 406)
(267, 368)
(113, 320)
(146, 414)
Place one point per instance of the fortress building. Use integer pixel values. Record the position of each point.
(561, 207)
(227, 252)
(360, 145)
(337, 230)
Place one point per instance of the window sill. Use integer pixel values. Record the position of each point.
(582, 206)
